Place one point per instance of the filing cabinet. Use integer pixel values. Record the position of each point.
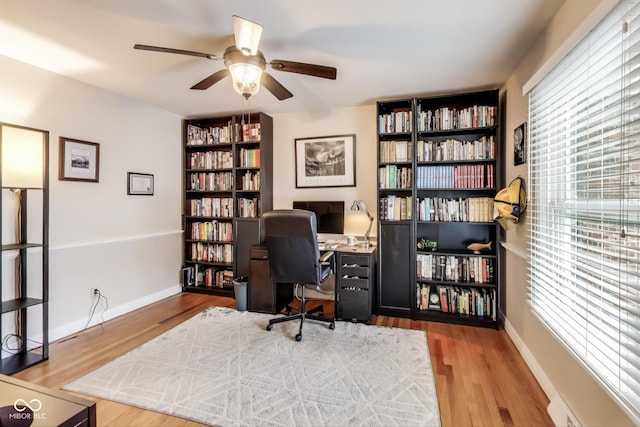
(355, 288)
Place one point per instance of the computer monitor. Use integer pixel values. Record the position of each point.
(329, 215)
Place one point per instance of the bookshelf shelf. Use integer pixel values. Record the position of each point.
(227, 186)
(437, 176)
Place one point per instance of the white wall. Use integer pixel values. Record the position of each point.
(127, 246)
(561, 376)
(360, 121)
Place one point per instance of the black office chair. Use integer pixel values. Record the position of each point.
(294, 257)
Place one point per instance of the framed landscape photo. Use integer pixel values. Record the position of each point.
(78, 160)
(139, 184)
(326, 161)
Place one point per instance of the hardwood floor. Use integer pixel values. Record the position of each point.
(481, 380)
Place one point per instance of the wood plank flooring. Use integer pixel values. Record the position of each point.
(481, 379)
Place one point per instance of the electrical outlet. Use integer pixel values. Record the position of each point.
(95, 291)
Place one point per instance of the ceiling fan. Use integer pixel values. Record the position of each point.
(246, 63)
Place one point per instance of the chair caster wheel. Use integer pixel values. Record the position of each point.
(269, 327)
(298, 337)
(332, 325)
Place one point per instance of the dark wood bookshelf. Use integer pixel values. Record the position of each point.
(430, 123)
(224, 134)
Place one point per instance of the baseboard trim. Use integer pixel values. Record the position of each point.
(111, 313)
(536, 370)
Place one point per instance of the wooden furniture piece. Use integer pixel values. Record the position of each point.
(438, 171)
(355, 283)
(25, 300)
(263, 295)
(227, 185)
(46, 407)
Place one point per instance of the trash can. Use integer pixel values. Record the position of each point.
(240, 292)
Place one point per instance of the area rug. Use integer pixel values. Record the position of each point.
(221, 367)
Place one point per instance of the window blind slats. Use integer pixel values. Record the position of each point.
(584, 203)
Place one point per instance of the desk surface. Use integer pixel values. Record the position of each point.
(356, 249)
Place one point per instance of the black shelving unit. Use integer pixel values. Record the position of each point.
(29, 301)
(438, 171)
(227, 185)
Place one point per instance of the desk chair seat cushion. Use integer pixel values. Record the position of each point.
(326, 291)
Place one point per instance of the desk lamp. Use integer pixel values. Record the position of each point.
(358, 205)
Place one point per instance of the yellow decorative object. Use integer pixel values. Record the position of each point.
(510, 203)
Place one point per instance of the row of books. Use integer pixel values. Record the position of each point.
(211, 206)
(248, 208)
(393, 176)
(211, 160)
(251, 132)
(224, 134)
(211, 181)
(249, 158)
(455, 268)
(454, 150)
(450, 118)
(212, 231)
(396, 208)
(211, 135)
(455, 176)
(396, 151)
(473, 209)
(212, 252)
(456, 300)
(210, 277)
(395, 122)
(250, 181)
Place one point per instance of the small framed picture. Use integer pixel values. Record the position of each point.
(139, 184)
(520, 144)
(78, 160)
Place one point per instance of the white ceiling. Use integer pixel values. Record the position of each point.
(381, 48)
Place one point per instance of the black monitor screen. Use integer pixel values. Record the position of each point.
(329, 215)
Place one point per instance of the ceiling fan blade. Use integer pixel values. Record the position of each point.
(247, 35)
(275, 87)
(178, 51)
(211, 80)
(302, 68)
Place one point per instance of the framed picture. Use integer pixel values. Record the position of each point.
(326, 161)
(520, 144)
(78, 160)
(139, 184)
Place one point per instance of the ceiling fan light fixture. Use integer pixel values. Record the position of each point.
(246, 78)
(247, 35)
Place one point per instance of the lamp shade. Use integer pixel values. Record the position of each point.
(246, 78)
(22, 158)
(247, 35)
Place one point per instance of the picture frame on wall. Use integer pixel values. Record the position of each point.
(326, 161)
(78, 160)
(520, 144)
(140, 184)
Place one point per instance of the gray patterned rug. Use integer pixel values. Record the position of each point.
(222, 367)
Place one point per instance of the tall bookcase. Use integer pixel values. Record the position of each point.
(227, 185)
(437, 175)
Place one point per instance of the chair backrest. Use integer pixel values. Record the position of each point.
(292, 242)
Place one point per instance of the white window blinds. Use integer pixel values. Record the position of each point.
(584, 207)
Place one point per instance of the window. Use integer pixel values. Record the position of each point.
(584, 207)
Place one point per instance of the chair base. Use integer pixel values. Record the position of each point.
(302, 315)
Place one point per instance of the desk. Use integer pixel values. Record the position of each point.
(50, 407)
(355, 283)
